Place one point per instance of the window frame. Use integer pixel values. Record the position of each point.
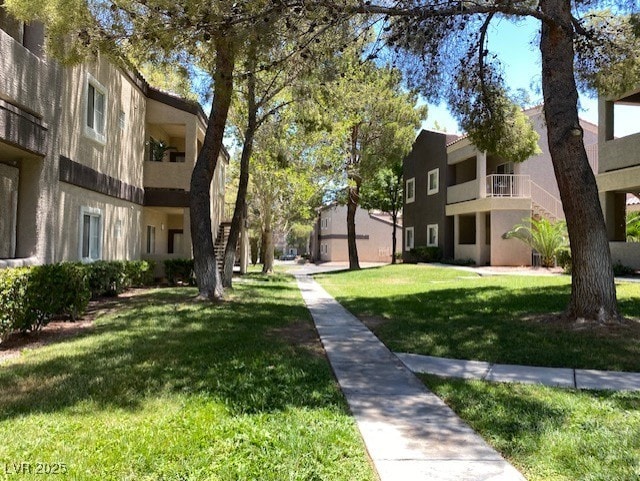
(429, 228)
(435, 173)
(150, 247)
(91, 131)
(92, 212)
(411, 199)
(408, 247)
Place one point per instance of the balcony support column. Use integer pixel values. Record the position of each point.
(481, 174)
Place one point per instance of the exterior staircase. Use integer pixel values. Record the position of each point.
(221, 242)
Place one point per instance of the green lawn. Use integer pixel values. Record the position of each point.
(451, 313)
(168, 389)
(548, 434)
(552, 434)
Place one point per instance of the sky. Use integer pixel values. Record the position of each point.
(517, 49)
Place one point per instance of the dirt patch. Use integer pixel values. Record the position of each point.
(373, 322)
(300, 334)
(61, 329)
(626, 327)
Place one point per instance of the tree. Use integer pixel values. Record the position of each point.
(370, 121)
(282, 182)
(445, 44)
(545, 237)
(385, 192)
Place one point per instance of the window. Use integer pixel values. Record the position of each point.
(433, 181)
(506, 168)
(432, 235)
(151, 239)
(324, 223)
(96, 100)
(408, 238)
(411, 190)
(122, 120)
(90, 234)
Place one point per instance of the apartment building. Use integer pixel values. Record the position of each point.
(464, 200)
(619, 172)
(80, 178)
(373, 235)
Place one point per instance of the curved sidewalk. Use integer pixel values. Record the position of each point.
(409, 432)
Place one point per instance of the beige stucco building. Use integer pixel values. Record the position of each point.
(78, 176)
(619, 174)
(373, 235)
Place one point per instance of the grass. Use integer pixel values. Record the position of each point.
(502, 319)
(169, 389)
(552, 434)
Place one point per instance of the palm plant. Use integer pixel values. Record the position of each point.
(633, 226)
(545, 237)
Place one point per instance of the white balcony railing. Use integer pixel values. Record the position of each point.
(547, 201)
(508, 185)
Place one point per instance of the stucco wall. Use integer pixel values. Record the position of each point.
(377, 248)
(508, 252)
(121, 155)
(121, 224)
(627, 253)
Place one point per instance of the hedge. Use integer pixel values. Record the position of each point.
(179, 270)
(31, 296)
(426, 254)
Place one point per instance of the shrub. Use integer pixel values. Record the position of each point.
(106, 278)
(53, 290)
(179, 270)
(13, 286)
(563, 259)
(459, 262)
(139, 273)
(426, 254)
(31, 297)
(620, 269)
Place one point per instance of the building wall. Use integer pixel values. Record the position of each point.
(508, 252)
(8, 209)
(428, 153)
(121, 221)
(373, 236)
(29, 115)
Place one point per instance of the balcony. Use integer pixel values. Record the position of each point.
(508, 185)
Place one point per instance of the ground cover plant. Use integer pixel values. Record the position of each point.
(168, 388)
(504, 319)
(549, 433)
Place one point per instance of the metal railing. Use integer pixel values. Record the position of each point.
(547, 201)
(508, 185)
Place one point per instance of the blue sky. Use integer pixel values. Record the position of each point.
(517, 49)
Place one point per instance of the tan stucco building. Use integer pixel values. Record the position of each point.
(78, 178)
(373, 235)
(619, 174)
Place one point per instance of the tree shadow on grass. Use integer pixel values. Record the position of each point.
(498, 324)
(163, 343)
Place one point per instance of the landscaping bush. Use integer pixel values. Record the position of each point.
(178, 270)
(31, 296)
(427, 254)
(13, 286)
(620, 269)
(53, 290)
(106, 278)
(459, 262)
(563, 259)
(139, 273)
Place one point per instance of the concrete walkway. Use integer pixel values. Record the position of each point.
(409, 432)
(548, 376)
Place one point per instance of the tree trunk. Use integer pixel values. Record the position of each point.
(394, 241)
(267, 266)
(593, 293)
(241, 198)
(205, 264)
(352, 207)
